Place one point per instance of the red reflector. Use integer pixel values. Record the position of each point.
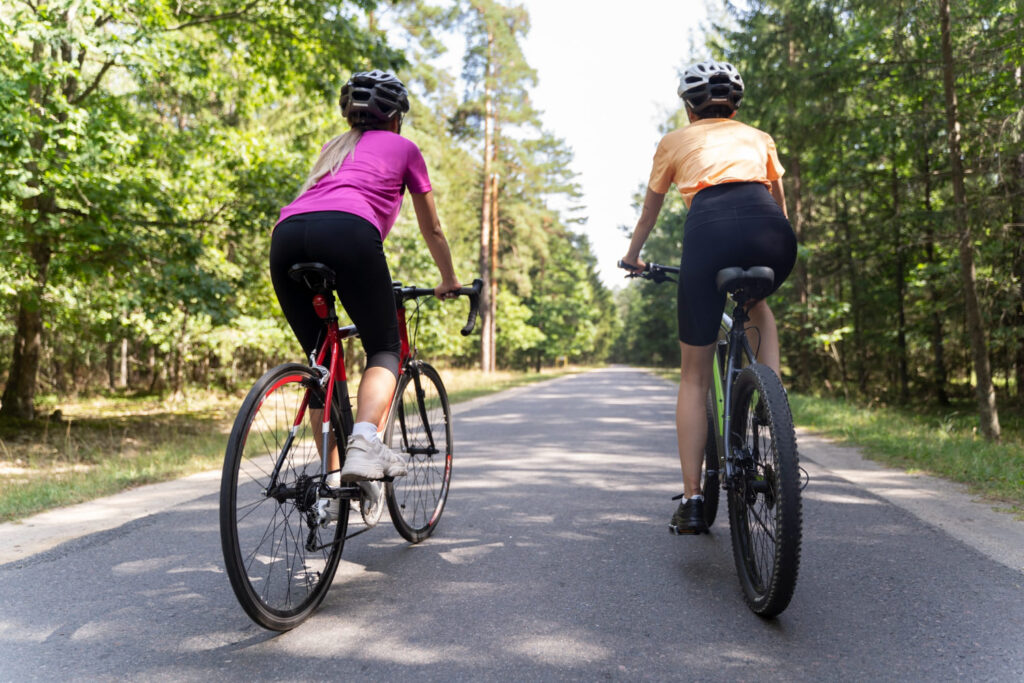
(320, 304)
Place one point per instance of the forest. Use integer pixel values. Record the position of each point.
(901, 128)
(147, 146)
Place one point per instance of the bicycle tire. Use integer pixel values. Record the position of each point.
(709, 479)
(420, 428)
(279, 561)
(765, 510)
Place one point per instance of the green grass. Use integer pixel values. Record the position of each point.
(943, 442)
(939, 441)
(103, 445)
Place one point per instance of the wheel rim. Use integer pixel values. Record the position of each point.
(757, 488)
(282, 552)
(423, 437)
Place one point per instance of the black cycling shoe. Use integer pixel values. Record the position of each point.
(689, 518)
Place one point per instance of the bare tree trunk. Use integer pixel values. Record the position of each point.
(111, 365)
(486, 327)
(985, 391)
(123, 379)
(900, 280)
(939, 371)
(178, 368)
(495, 184)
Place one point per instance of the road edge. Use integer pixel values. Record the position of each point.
(44, 531)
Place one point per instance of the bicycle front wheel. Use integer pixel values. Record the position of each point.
(420, 429)
(765, 513)
(279, 559)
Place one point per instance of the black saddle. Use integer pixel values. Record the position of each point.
(316, 276)
(748, 284)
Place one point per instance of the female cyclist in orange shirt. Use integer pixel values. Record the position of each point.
(730, 178)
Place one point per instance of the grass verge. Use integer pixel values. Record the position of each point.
(103, 445)
(943, 442)
(940, 441)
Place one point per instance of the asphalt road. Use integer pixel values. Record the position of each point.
(552, 561)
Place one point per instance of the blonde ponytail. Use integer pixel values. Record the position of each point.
(334, 153)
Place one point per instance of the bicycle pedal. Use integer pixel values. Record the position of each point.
(676, 531)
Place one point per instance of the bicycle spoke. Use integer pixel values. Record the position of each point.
(764, 508)
(276, 579)
(422, 431)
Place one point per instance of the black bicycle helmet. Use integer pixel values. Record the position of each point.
(711, 84)
(372, 97)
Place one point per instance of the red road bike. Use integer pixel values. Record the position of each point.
(280, 550)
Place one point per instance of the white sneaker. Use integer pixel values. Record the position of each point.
(370, 459)
(327, 510)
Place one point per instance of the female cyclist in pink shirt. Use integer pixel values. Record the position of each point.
(344, 211)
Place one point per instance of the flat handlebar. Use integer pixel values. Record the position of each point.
(473, 292)
(651, 271)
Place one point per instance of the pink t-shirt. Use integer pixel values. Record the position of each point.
(370, 183)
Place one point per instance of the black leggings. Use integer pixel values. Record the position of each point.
(733, 224)
(352, 248)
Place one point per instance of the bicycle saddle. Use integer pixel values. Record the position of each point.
(316, 276)
(746, 285)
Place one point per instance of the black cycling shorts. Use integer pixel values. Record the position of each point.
(733, 224)
(352, 247)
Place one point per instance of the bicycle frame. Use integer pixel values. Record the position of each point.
(732, 350)
(324, 304)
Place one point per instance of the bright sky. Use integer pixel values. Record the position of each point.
(608, 79)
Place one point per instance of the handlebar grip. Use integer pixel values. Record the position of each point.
(632, 269)
(474, 304)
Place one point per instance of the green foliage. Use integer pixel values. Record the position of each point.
(148, 146)
(853, 94)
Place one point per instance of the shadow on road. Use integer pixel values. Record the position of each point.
(552, 560)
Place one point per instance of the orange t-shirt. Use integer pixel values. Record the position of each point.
(711, 152)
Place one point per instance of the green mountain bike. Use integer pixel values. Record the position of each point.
(751, 451)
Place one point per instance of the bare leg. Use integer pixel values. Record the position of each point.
(691, 422)
(765, 339)
(316, 419)
(375, 392)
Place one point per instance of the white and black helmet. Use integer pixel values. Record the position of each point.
(711, 84)
(372, 97)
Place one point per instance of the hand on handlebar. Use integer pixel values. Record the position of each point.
(633, 265)
(448, 289)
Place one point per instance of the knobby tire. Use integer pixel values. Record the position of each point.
(765, 510)
(709, 476)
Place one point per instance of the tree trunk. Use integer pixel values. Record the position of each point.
(985, 392)
(178, 371)
(900, 280)
(486, 329)
(939, 371)
(123, 379)
(20, 391)
(495, 181)
(111, 366)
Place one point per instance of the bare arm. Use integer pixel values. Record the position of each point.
(648, 217)
(430, 227)
(779, 195)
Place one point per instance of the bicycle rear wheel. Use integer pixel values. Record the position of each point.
(420, 428)
(709, 471)
(279, 560)
(764, 493)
